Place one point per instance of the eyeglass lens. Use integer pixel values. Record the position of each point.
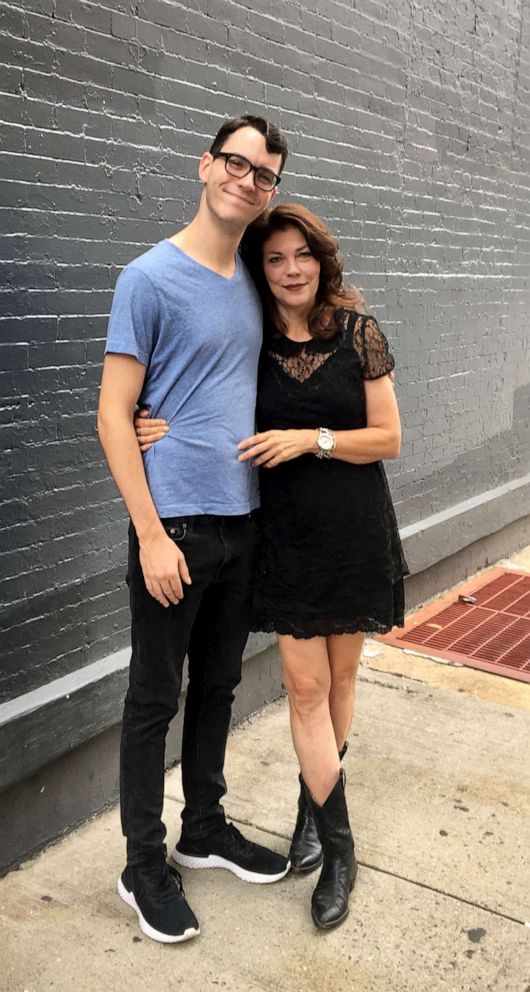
(237, 165)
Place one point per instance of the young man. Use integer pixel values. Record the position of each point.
(184, 339)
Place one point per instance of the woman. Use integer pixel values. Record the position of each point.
(331, 566)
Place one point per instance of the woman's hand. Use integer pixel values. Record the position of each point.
(273, 447)
(148, 431)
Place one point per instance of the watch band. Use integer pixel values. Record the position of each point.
(326, 442)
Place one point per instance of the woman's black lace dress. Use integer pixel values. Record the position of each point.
(331, 561)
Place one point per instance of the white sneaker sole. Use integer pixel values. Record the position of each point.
(145, 927)
(215, 861)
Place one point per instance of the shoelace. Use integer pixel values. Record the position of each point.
(237, 838)
(177, 877)
(164, 880)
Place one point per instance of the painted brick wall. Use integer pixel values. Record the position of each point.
(409, 125)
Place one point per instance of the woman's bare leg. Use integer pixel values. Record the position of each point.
(307, 677)
(344, 653)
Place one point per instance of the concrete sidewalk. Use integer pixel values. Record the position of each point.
(439, 796)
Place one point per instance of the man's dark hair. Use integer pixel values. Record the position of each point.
(275, 142)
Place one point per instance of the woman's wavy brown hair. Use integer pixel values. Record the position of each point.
(324, 320)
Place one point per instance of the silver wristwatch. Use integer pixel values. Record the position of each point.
(326, 442)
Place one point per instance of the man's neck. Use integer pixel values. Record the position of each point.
(210, 245)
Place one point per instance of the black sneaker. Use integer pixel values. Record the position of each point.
(227, 848)
(155, 893)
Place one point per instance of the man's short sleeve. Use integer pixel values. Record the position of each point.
(133, 320)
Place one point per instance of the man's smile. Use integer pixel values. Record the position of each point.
(238, 196)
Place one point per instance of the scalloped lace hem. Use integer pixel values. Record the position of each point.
(324, 628)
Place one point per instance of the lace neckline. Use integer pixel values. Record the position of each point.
(279, 344)
(282, 345)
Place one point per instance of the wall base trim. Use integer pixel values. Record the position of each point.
(441, 535)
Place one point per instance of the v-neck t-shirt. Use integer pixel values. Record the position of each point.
(199, 336)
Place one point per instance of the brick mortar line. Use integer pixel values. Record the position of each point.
(211, 64)
(298, 114)
(139, 45)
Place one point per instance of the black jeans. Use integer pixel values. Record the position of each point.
(210, 625)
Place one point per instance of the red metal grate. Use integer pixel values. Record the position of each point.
(491, 633)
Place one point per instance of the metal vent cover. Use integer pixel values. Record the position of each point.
(484, 623)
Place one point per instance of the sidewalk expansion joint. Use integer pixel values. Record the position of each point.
(244, 823)
(447, 895)
(385, 871)
(361, 677)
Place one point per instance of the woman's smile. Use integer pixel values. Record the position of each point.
(291, 270)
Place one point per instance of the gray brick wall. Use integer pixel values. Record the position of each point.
(409, 126)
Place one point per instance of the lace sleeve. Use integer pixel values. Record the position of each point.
(372, 348)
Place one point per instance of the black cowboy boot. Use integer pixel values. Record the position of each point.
(329, 904)
(305, 853)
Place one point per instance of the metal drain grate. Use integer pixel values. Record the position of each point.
(487, 627)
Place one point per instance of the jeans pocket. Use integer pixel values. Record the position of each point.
(176, 528)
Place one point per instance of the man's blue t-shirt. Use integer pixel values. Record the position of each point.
(199, 336)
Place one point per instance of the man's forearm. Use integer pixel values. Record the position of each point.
(125, 461)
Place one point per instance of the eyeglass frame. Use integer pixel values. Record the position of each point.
(251, 168)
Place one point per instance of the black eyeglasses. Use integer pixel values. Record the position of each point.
(238, 165)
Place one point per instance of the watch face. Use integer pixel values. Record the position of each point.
(325, 442)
